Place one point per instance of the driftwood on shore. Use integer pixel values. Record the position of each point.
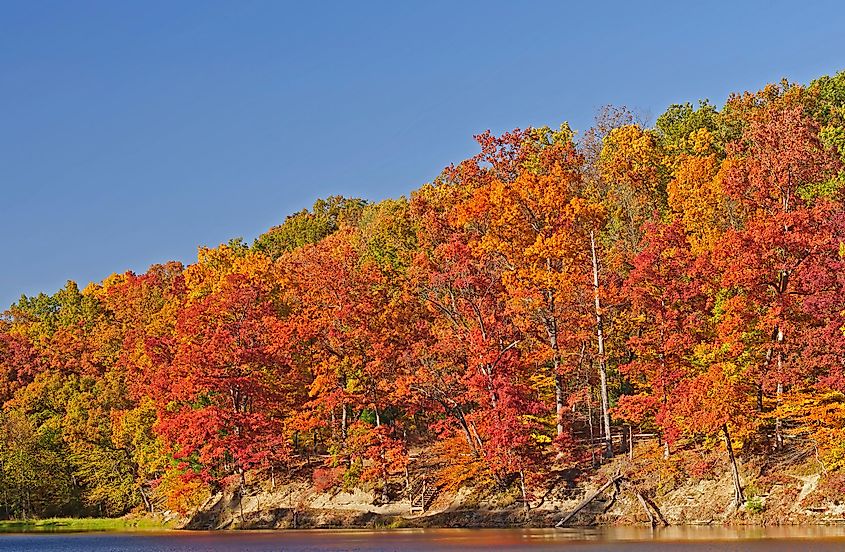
(652, 511)
(644, 504)
(654, 514)
(584, 503)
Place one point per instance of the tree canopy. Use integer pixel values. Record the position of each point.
(687, 278)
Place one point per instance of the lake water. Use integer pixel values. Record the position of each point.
(692, 539)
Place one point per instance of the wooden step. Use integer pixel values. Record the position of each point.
(422, 494)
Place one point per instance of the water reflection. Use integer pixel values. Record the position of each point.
(623, 539)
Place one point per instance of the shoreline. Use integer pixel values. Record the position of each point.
(618, 533)
(334, 521)
(133, 524)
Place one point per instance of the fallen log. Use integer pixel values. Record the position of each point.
(651, 510)
(583, 504)
(612, 500)
(657, 511)
(644, 504)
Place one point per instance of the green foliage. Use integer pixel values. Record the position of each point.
(388, 235)
(677, 123)
(755, 504)
(827, 189)
(829, 107)
(352, 475)
(829, 110)
(35, 474)
(71, 525)
(307, 227)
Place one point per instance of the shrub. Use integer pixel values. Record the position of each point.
(755, 505)
(327, 478)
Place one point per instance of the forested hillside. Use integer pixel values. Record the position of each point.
(686, 279)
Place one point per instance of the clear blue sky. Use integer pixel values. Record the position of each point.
(131, 132)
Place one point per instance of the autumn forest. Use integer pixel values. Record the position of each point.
(684, 279)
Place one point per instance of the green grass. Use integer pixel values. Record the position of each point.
(57, 525)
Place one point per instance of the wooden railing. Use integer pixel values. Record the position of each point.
(622, 439)
(421, 495)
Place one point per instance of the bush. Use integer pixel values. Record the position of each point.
(755, 505)
(327, 478)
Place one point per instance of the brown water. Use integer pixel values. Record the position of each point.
(692, 539)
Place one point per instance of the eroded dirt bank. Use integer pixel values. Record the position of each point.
(689, 489)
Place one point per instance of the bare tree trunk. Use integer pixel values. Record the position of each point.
(590, 422)
(550, 322)
(739, 496)
(465, 426)
(148, 505)
(605, 401)
(559, 402)
(241, 494)
(477, 437)
(522, 488)
(778, 421)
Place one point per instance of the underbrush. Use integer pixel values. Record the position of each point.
(58, 525)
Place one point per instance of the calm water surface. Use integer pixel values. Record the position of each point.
(692, 539)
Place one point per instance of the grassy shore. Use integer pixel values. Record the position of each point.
(56, 525)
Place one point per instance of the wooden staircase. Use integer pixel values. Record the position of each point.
(421, 495)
